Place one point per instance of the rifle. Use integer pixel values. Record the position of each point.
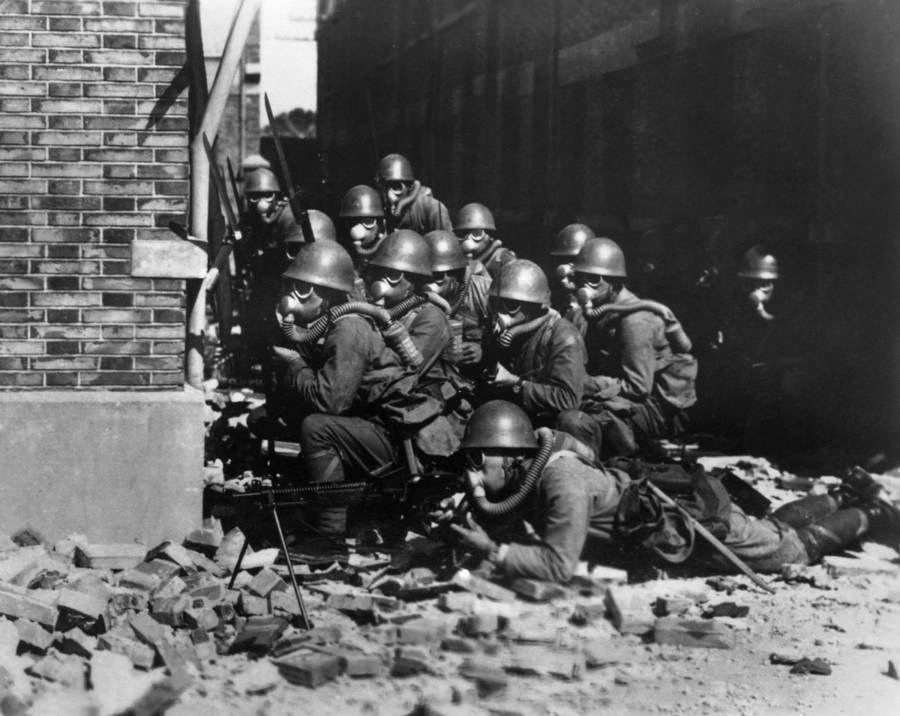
(234, 229)
(298, 209)
(234, 184)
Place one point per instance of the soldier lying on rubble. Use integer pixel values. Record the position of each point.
(567, 499)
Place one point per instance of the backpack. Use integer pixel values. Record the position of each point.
(642, 518)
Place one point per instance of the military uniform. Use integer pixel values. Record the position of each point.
(638, 387)
(550, 361)
(425, 213)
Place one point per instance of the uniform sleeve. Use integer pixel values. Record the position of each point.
(344, 357)
(564, 385)
(440, 217)
(565, 506)
(430, 331)
(636, 333)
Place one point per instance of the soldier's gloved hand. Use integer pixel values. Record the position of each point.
(474, 538)
(504, 379)
(288, 356)
(471, 354)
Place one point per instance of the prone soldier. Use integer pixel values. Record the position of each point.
(575, 509)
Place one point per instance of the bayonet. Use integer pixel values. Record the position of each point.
(234, 231)
(300, 212)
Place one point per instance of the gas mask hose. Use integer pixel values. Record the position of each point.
(757, 298)
(675, 333)
(486, 507)
(507, 337)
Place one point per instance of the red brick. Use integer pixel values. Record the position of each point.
(58, 348)
(22, 380)
(120, 74)
(21, 283)
(10, 22)
(172, 331)
(22, 89)
(12, 363)
(21, 121)
(119, 57)
(107, 25)
(19, 203)
(14, 170)
(62, 315)
(7, 138)
(61, 379)
(65, 7)
(77, 171)
(21, 606)
(65, 235)
(22, 187)
(15, 332)
(22, 56)
(65, 122)
(97, 283)
(65, 57)
(21, 348)
(173, 379)
(63, 363)
(64, 24)
(65, 267)
(66, 138)
(9, 72)
(116, 332)
(112, 315)
(64, 39)
(120, 9)
(115, 378)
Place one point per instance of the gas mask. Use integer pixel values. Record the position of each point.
(387, 287)
(392, 192)
(498, 473)
(365, 233)
(443, 283)
(592, 290)
(759, 296)
(565, 272)
(301, 303)
(507, 314)
(266, 206)
(474, 243)
(291, 249)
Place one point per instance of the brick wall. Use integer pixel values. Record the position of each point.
(93, 154)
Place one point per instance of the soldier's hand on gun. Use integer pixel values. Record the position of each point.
(504, 379)
(470, 354)
(473, 537)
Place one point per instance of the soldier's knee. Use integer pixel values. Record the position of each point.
(315, 430)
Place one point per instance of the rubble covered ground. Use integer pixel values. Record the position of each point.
(396, 629)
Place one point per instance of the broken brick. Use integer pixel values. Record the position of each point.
(358, 664)
(170, 610)
(411, 660)
(202, 618)
(265, 582)
(21, 606)
(123, 600)
(479, 624)
(175, 661)
(148, 630)
(141, 655)
(629, 611)
(726, 609)
(459, 645)
(488, 677)
(110, 556)
(162, 568)
(537, 591)
(477, 585)
(420, 632)
(28, 536)
(258, 634)
(586, 612)
(171, 587)
(285, 602)
(254, 606)
(34, 636)
(457, 602)
(76, 642)
(173, 552)
(672, 606)
(60, 668)
(138, 579)
(87, 605)
(693, 633)
(205, 540)
(561, 663)
(310, 670)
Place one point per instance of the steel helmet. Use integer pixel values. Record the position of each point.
(322, 227)
(446, 253)
(323, 263)
(759, 263)
(255, 161)
(601, 257)
(395, 167)
(473, 217)
(361, 201)
(570, 239)
(261, 181)
(499, 425)
(403, 250)
(522, 280)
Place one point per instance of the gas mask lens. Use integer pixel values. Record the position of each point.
(474, 459)
(256, 198)
(292, 248)
(300, 290)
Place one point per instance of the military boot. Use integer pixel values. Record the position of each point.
(884, 522)
(857, 488)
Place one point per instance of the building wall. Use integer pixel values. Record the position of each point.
(93, 143)
(685, 129)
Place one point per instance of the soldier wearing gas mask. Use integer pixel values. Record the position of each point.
(475, 227)
(571, 508)
(407, 203)
(533, 357)
(466, 293)
(334, 372)
(641, 375)
(566, 245)
(362, 216)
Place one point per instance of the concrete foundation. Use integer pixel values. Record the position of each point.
(114, 466)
